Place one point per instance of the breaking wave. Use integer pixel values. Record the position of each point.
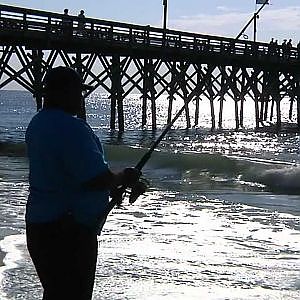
(8, 148)
(282, 177)
(275, 175)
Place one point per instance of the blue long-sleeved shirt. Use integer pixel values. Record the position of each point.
(63, 154)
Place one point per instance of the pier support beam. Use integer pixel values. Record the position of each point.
(182, 83)
(296, 92)
(149, 92)
(145, 92)
(152, 94)
(275, 92)
(172, 90)
(254, 87)
(78, 67)
(297, 96)
(242, 96)
(222, 94)
(197, 98)
(266, 95)
(211, 101)
(116, 94)
(37, 70)
(263, 97)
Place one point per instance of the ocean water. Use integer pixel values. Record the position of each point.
(220, 220)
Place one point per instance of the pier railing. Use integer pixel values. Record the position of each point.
(21, 24)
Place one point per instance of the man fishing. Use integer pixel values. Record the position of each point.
(70, 183)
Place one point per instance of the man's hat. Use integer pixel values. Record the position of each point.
(62, 78)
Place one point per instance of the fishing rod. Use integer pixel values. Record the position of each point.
(117, 194)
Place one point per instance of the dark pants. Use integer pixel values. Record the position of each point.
(64, 254)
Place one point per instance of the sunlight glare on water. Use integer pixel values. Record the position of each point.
(208, 248)
(210, 226)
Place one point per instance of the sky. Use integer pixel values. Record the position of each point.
(280, 19)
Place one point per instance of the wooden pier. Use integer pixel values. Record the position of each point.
(125, 58)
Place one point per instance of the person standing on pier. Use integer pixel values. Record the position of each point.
(67, 23)
(284, 48)
(81, 22)
(277, 50)
(69, 186)
(289, 47)
(271, 48)
(298, 50)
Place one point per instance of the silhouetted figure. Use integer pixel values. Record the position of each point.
(67, 23)
(69, 186)
(81, 22)
(254, 49)
(231, 47)
(298, 50)
(284, 48)
(272, 48)
(277, 50)
(289, 47)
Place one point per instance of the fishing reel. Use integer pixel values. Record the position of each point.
(139, 188)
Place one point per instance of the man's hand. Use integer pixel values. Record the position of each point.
(131, 176)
